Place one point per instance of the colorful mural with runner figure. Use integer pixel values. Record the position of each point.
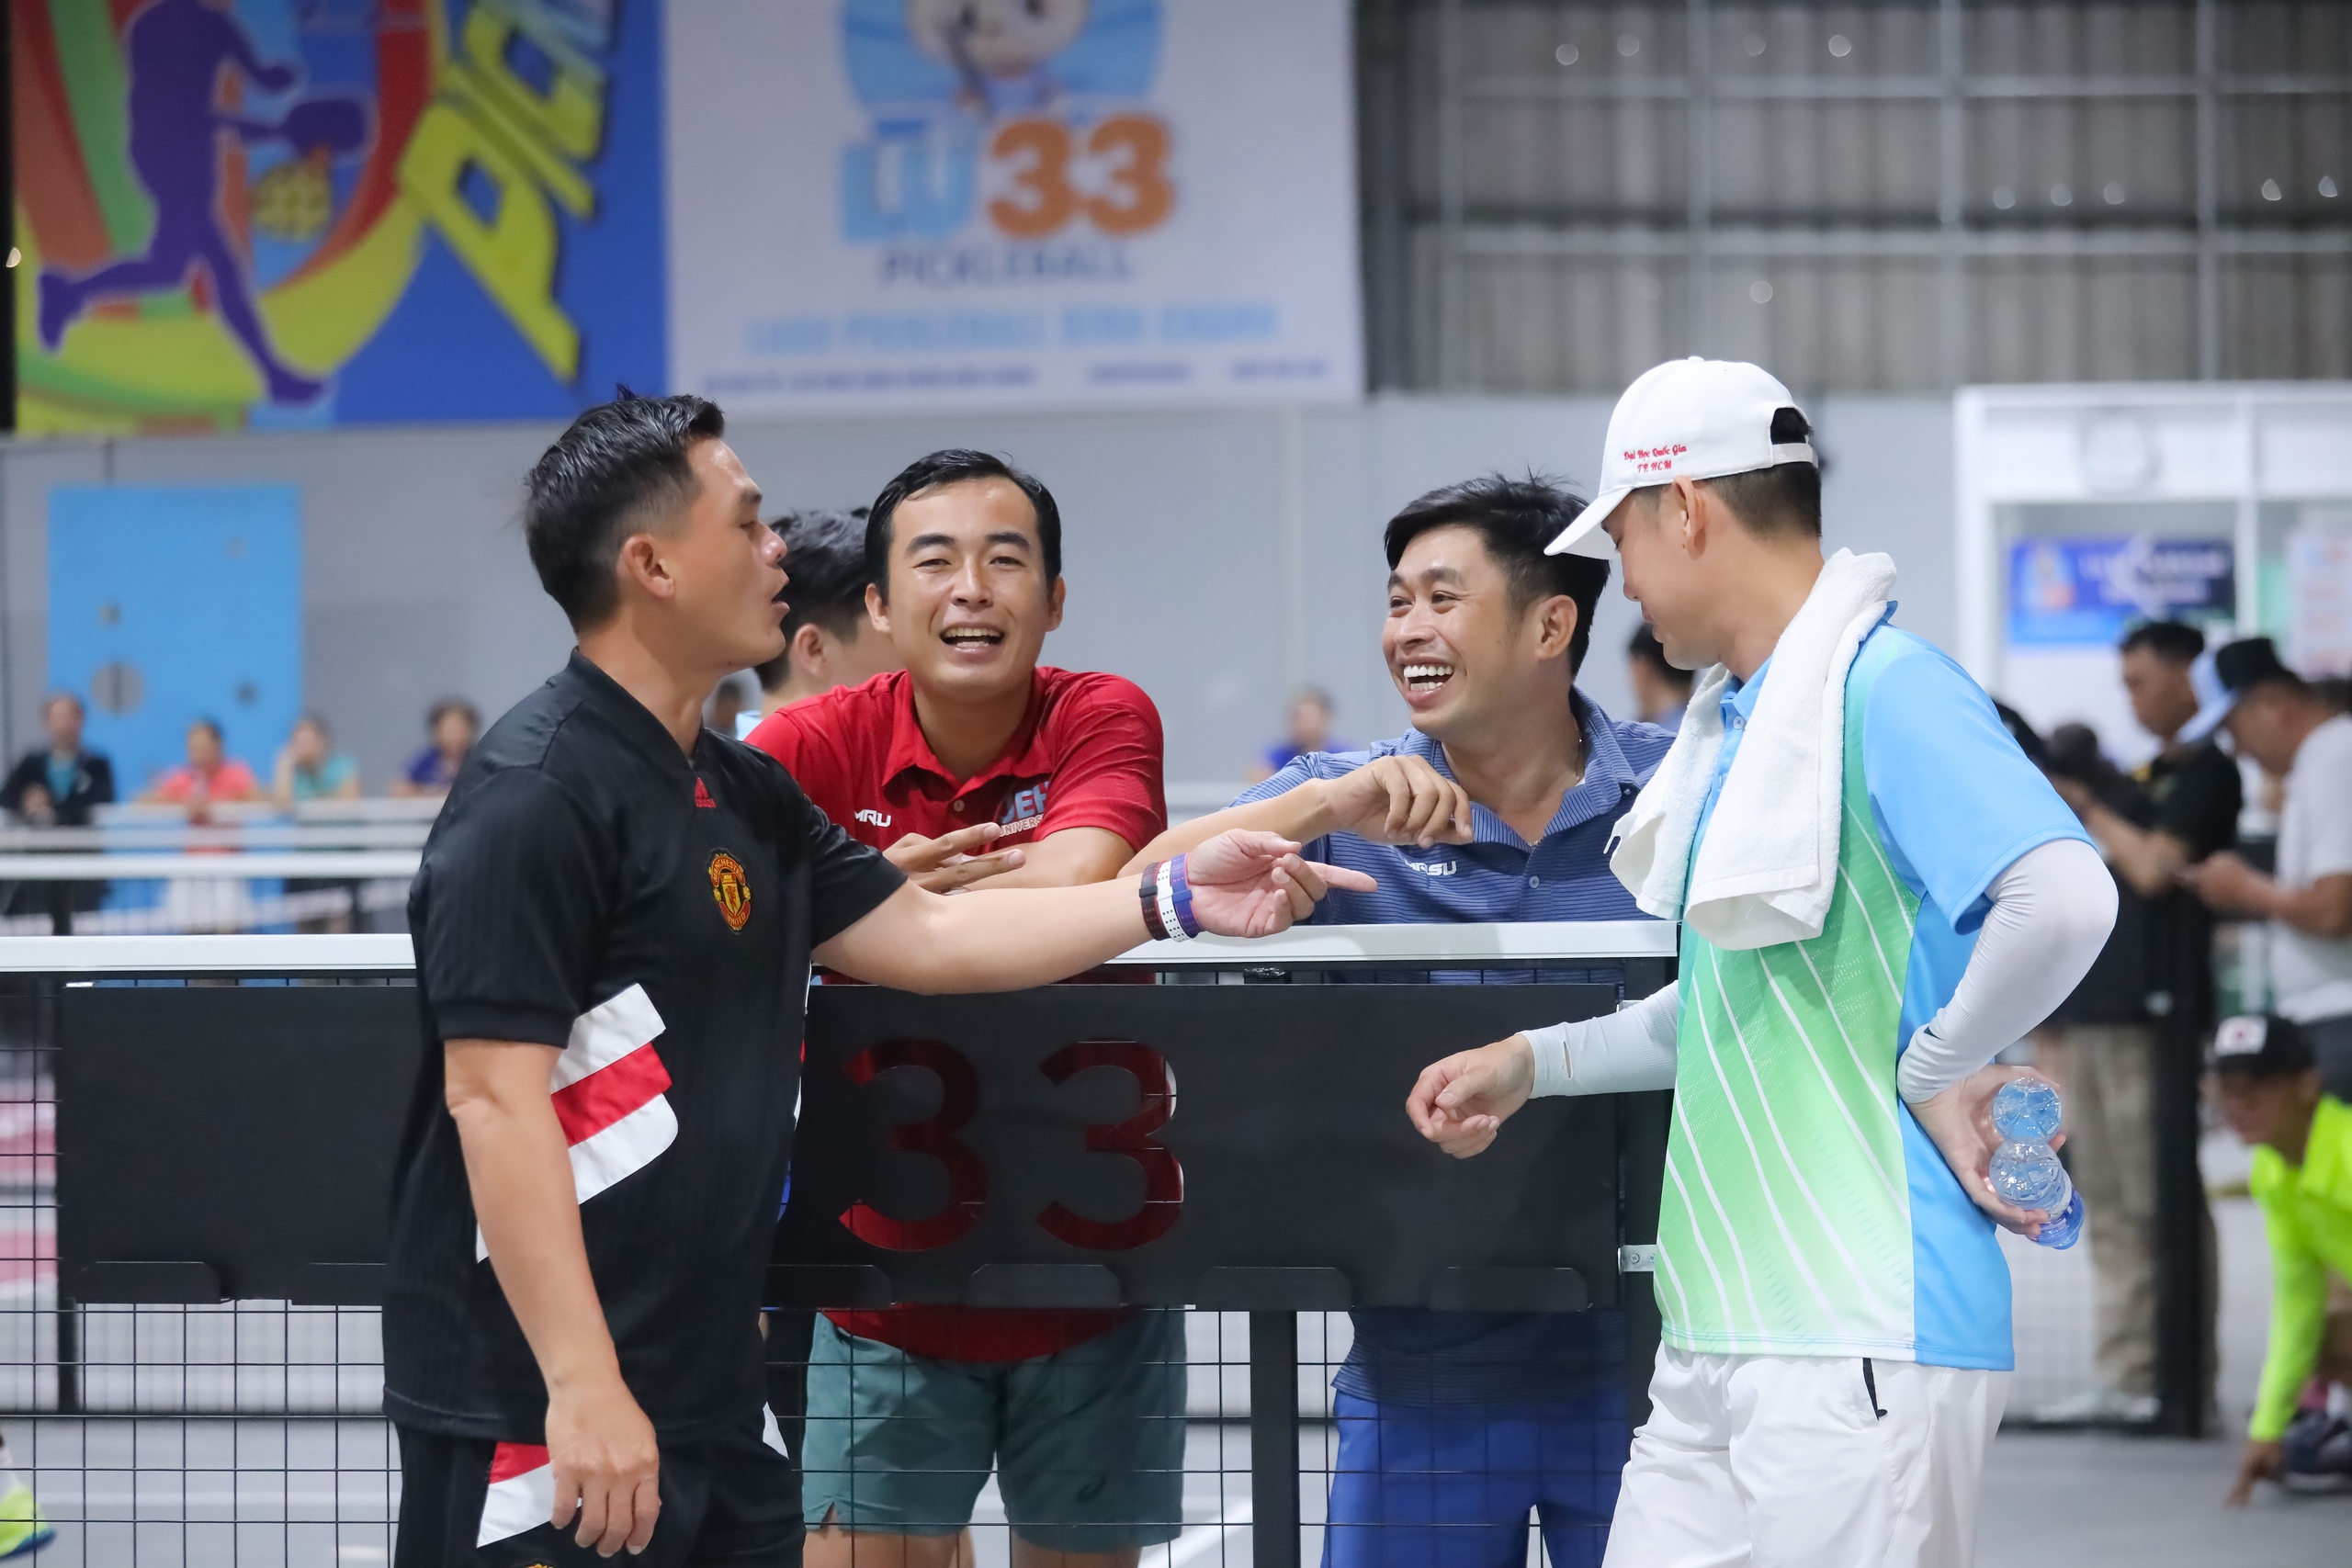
(312, 212)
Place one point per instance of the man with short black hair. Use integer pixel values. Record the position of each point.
(614, 923)
(829, 640)
(1497, 805)
(2178, 807)
(2271, 715)
(976, 765)
(1660, 691)
(61, 784)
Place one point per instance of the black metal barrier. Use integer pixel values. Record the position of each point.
(1236, 1146)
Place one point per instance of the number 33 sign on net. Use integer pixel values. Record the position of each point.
(900, 203)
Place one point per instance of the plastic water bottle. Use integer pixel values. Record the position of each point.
(2025, 1169)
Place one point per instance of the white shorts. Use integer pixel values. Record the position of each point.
(1783, 1462)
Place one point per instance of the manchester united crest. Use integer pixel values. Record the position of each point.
(732, 888)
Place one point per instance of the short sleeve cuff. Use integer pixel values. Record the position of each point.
(501, 1020)
(857, 895)
(1972, 892)
(1136, 824)
(1298, 771)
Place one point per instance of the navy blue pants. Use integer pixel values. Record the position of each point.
(1452, 1485)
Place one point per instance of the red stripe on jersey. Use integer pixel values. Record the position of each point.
(511, 1459)
(604, 1096)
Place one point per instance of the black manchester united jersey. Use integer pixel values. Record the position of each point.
(590, 887)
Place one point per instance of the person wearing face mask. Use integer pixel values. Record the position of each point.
(976, 765)
(1497, 805)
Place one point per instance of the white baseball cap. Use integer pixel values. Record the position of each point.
(1687, 418)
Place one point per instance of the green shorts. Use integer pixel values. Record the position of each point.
(1088, 1443)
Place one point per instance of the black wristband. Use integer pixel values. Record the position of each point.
(1148, 891)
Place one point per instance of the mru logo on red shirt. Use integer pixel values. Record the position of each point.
(731, 887)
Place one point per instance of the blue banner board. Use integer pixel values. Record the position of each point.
(2091, 591)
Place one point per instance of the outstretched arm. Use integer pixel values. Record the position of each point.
(1390, 800)
(1008, 939)
(1460, 1103)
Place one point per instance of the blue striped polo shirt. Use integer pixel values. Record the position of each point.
(1405, 1356)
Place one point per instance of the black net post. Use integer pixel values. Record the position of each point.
(1273, 1439)
(2183, 1016)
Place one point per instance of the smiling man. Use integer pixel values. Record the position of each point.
(612, 920)
(974, 744)
(1497, 805)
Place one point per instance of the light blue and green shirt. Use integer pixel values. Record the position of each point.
(1805, 1212)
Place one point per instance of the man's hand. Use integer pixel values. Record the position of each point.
(2228, 883)
(2261, 1462)
(1399, 800)
(949, 862)
(1249, 883)
(607, 1467)
(1959, 1123)
(1460, 1103)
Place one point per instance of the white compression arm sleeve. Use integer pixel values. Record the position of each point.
(1616, 1054)
(2052, 912)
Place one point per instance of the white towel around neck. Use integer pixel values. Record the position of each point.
(1768, 866)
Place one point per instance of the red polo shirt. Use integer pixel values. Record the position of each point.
(1086, 755)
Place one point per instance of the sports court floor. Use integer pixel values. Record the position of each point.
(316, 1493)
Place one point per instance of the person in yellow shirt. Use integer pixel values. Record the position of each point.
(2267, 1083)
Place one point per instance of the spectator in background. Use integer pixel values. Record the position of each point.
(2272, 715)
(453, 724)
(1660, 691)
(209, 777)
(829, 638)
(2267, 1088)
(310, 768)
(1308, 732)
(58, 785)
(729, 703)
(2178, 807)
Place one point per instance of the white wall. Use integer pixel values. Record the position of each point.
(1183, 537)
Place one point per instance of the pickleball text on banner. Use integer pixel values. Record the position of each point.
(896, 203)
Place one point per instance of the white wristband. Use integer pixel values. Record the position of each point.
(1166, 887)
(1552, 1073)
